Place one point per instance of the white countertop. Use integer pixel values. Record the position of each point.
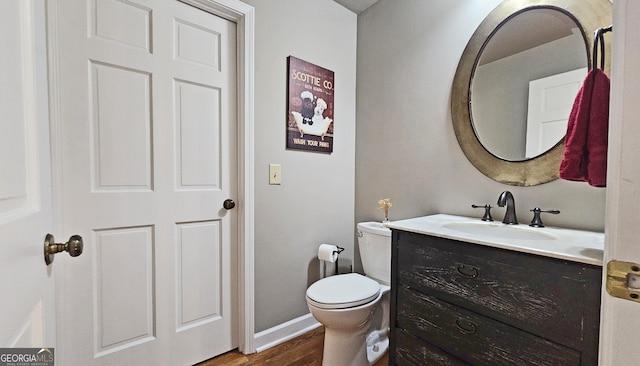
(574, 245)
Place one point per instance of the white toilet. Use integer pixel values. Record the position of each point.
(345, 303)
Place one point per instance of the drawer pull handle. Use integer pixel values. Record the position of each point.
(468, 271)
(465, 326)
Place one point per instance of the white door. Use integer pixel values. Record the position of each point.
(620, 321)
(550, 103)
(147, 105)
(27, 308)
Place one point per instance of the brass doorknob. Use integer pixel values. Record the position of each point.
(73, 246)
(228, 204)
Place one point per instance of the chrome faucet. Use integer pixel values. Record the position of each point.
(506, 198)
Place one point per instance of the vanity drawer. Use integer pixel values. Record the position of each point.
(412, 351)
(547, 297)
(480, 340)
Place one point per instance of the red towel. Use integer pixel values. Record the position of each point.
(585, 154)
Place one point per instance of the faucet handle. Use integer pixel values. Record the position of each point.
(487, 212)
(537, 221)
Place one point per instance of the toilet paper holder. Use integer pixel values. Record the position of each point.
(337, 251)
(333, 254)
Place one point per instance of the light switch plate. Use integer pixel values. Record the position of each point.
(275, 174)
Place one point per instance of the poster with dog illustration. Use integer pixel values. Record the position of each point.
(309, 106)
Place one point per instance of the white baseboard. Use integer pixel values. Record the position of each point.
(284, 332)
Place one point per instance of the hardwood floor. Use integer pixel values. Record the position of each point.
(305, 350)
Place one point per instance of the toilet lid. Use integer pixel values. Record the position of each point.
(343, 291)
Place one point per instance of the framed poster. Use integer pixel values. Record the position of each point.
(309, 106)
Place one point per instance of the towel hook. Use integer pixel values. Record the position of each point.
(599, 39)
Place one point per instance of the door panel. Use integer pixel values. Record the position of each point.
(124, 304)
(148, 104)
(198, 287)
(27, 308)
(197, 153)
(113, 113)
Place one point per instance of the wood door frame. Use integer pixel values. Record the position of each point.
(244, 16)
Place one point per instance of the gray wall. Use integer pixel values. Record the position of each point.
(315, 203)
(406, 149)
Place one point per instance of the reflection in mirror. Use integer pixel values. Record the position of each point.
(589, 15)
(524, 83)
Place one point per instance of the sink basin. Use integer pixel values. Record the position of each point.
(500, 231)
(568, 244)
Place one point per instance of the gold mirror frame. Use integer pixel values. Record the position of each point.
(591, 15)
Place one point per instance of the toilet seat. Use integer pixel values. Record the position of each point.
(342, 291)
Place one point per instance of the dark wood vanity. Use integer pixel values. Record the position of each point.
(458, 303)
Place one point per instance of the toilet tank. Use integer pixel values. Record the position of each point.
(374, 242)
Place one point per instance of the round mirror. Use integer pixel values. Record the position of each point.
(533, 82)
(516, 82)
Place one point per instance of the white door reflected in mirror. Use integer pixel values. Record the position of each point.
(550, 102)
